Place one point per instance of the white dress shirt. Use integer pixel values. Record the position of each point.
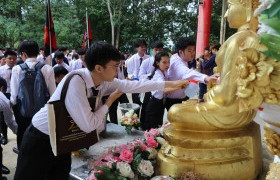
(159, 77)
(179, 70)
(133, 64)
(77, 104)
(41, 58)
(63, 64)
(7, 112)
(146, 68)
(6, 72)
(46, 70)
(76, 64)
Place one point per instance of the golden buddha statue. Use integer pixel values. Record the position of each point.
(218, 138)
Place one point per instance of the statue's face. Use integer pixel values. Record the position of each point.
(236, 14)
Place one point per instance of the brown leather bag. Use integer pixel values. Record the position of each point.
(65, 135)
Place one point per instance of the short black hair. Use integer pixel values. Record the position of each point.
(157, 44)
(100, 53)
(59, 55)
(81, 51)
(183, 43)
(62, 48)
(1, 56)
(9, 52)
(140, 42)
(76, 56)
(59, 70)
(30, 47)
(216, 46)
(3, 84)
(158, 58)
(207, 48)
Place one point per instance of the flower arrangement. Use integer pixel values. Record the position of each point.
(269, 30)
(128, 161)
(130, 120)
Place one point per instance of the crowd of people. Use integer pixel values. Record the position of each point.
(28, 80)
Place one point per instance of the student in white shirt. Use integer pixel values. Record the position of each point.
(36, 160)
(6, 72)
(185, 52)
(7, 115)
(29, 51)
(146, 69)
(76, 63)
(133, 67)
(154, 116)
(59, 56)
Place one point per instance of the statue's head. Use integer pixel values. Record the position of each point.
(241, 12)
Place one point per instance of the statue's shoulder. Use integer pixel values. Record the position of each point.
(244, 40)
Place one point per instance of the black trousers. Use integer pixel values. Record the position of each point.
(36, 160)
(202, 90)
(170, 102)
(136, 100)
(22, 122)
(3, 126)
(1, 160)
(113, 109)
(154, 113)
(145, 126)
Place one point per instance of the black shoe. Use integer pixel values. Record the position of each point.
(15, 150)
(5, 170)
(4, 140)
(3, 178)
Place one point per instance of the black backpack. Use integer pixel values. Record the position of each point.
(32, 92)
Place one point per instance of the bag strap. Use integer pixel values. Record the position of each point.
(23, 66)
(65, 86)
(39, 66)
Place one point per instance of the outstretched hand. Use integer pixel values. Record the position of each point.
(214, 78)
(115, 95)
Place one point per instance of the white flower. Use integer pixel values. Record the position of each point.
(125, 169)
(129, 120)
(126, 114)
(153, 153)
(146, 168)
(160, 140)
(134, 115)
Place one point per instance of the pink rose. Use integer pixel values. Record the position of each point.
(151, 142)
(143, 147)
(146, 134)
(108, 157)
(154, 132)
(117, 159)
(126, 156)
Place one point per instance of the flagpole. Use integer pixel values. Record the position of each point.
(87, 28)
(50, 38)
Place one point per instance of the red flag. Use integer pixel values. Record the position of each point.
(49, 34)
(88, 34)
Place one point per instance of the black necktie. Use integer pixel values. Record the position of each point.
(141, 59)
(10, 71)
(94, 91)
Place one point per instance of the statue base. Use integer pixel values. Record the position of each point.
(230, 154)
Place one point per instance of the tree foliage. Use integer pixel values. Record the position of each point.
(150, 19)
